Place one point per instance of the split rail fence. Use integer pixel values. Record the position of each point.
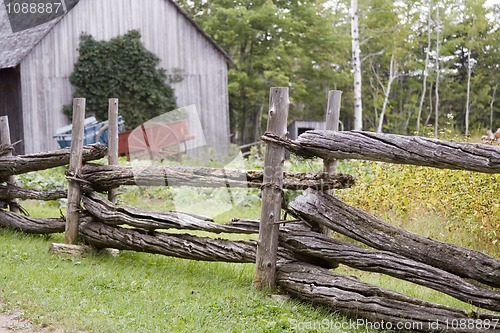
(297, 255)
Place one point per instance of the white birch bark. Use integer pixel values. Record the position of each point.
(426, 70)
(436, 109)
(356, 66)
(387, 90)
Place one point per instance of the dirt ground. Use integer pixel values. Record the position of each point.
(12, 323)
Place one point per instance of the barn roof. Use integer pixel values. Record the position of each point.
(19, 36)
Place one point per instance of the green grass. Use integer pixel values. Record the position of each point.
(138, 292)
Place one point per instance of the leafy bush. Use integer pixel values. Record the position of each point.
(468, 201)
(44, 180)
(121, 68)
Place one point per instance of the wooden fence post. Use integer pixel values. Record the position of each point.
(5, 139)
(75, 164)
(113, 142)
(267, 246)
(332, 124)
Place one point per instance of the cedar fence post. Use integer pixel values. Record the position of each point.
(332, 120)
(267, 246)
(332, 124)
(113, 142)
(75, 164)
(5, 140)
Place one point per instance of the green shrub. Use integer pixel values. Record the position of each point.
(468, 201)
(121, 68)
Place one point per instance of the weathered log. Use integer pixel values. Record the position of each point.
(80, 250)
(112, 214)
(378, 307)
(31, 225)
(394, 149)
(185, 246)
(361, 226)
(6, 149)
(315, 245)
(103, 177)
(8, 192)
(16, 165)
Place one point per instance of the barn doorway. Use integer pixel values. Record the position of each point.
(11, 104)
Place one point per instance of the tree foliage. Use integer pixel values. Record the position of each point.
(121, 68)
(305, 45)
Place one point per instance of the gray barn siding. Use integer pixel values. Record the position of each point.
(165, 32)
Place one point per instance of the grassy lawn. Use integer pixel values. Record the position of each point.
(138, 292)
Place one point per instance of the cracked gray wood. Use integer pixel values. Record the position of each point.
(315, 245)
(8, 192)
(349, 296)
(112, 214)
(103, 177)
(350, 221)
(101, 235)
(31, 225)
(394, 148)
(16, 165)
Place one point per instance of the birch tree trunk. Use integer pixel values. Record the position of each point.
(436, 109)
(467, 102)
(387, 92)
(491, 105)
(356, 67)
(426, 69)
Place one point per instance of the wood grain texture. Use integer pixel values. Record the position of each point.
(272, 188)
(31, 225)
(185, 246)
(113, 142)
(361, 226)
(16, 165)
(394, 149)
(8, 192)
(315, 245)
(351, 297)
(104, 177)
(75, 165)
(112, 214)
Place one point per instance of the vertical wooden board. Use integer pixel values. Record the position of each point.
(267, 246)
(332, 123)
(332, 120)
(75, 164)
(113, 142)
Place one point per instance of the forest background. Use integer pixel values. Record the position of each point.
(423, 63)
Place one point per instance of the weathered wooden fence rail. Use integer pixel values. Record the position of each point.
(351, 297)
(313, 245)
(103, 177)
(16, 165)
(303, 253)
(394, 148)
(361, 226)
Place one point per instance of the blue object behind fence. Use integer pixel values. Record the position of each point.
(93, 133)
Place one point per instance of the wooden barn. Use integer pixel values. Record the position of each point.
(38, 53)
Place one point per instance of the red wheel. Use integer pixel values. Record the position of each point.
(154, 141)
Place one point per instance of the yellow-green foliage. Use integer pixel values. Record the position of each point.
(469, 202)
